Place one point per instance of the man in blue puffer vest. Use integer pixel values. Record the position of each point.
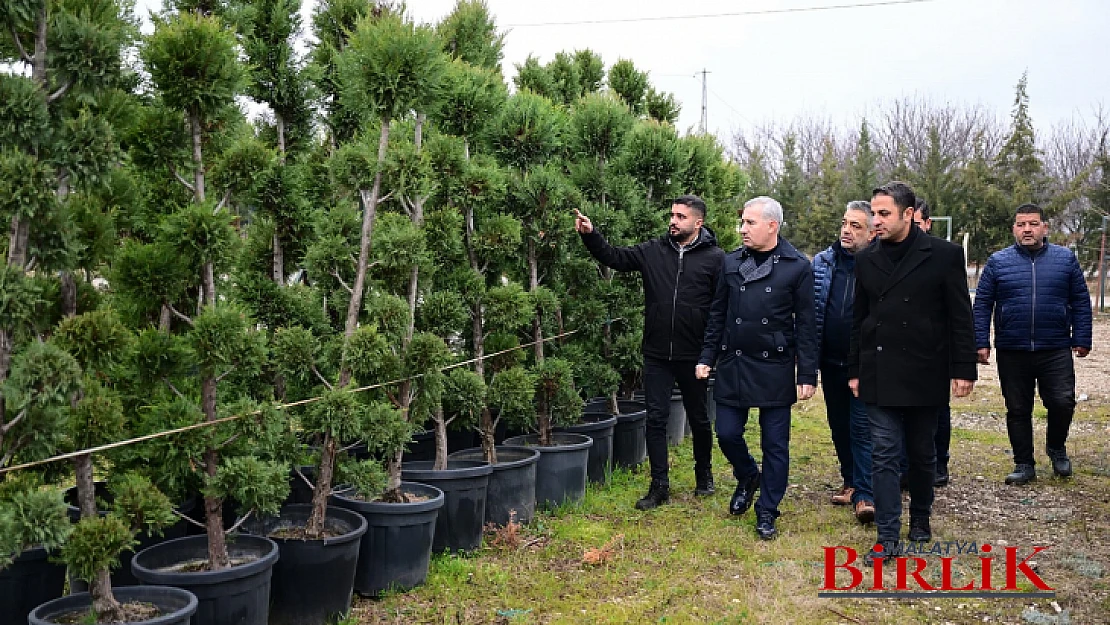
(1038, 297)
(834, 290)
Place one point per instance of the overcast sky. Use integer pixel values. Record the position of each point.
(834, 63)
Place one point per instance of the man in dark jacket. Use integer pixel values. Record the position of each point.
(912, 337)
(761, 329)
(834, 291)
(680, 273)
(1042, 313)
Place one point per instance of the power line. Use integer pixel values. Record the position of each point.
(664, 18)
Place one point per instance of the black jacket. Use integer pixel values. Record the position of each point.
(912, 331)
(762, 329)
(678, 287)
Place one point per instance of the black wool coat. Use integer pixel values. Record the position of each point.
(678, 287)
(913, 331)
(762, 329)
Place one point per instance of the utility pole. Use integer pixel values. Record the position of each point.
(1102, 267)
(702, 127)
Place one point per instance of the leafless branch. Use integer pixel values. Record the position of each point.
(19, 46)
(179, 315)
(223, 201)
(307, 482)
(225, 374)
(385, 197)
(7, 427)
(350, 447)
(321, 377)
(342, 283)
(181, 179)
(60, 91)
(172, 387)
(229, 441)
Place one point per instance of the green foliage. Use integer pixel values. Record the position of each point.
(442, 313)
(507, 308)
(176, 472)
(661, 106)
(32, 518)
(96, 544)
(160, 356)
(97, 418)
(200, 234)
(554, 388)
(629, 83)
(223, 337)
(368, 354)
(653, 157)
(338, 414)
(527, 131)
(194, 63)
(27, 186)
(256, 485)
(143, 507)
(598, 126)
(389, 313)
(392, 66)
(471, 98)
(24, 118)
(387, 430)
(97, 339)
(464, 395)
(511, 393)
(469, 34)
(295, 352)
(366, 477)
(41, 380)
(534, 77)
(19, 297)
(591, 70)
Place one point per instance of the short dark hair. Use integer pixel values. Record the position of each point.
(1029, 209)
(900, 192)
(691, 201)
(922, 208)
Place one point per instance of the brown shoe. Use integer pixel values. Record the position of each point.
(865, 511)
(843, 497)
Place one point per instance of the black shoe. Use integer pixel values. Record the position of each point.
(1061, 464)
(1023, 474)
(919, 530)
(765, 528)
(703, 483)
(941, 478)
(883, 550)
(657, 495)
(744, 496)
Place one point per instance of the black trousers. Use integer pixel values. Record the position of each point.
(659, 378)
(1053, 373)
(891, 429)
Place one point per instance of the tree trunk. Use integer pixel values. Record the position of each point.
(393, 492)
(209, 284)
(198, 158)
(17, 242)
(69, 294)
(534, 283)
(489, 428)
(38, 61)
(213, 506)
(414, 283)
(543, 420)
(322, 491)
(280, 123)
(104, 603)
(86, 487)
(164, 319)
(279, 260)
(369, 210)
(441, 440)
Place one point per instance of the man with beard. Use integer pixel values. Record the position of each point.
(912, 337)
(679, 271)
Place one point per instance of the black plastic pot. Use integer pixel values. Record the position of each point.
(561, 471)
(630, 435)
(29, 581)
(396, 549)
(676, 422)
(596, 404)
(599, 427)
(123, 575)
(512, 485)
(239, 595)
(464, 484)
(313, 579)
(176, 605)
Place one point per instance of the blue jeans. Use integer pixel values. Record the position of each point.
(890, 427)
(851, 431)
(774, 440)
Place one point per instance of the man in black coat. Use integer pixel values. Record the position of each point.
(762, 327)
(912, 338)
(680, 273)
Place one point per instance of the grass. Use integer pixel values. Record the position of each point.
(690, 562)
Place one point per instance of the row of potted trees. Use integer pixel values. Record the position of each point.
(395, 212)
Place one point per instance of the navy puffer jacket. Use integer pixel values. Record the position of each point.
(1039, 301)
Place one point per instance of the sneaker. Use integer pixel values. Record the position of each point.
(765, 528)
(942, 477)
(744, 495)
(882, 550)
(843, 497)
(865, 511)
(1023, 474)
(919, 530)
(1061, 464)
(657, 495)
(703, 483)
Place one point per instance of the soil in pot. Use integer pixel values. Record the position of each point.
(561, 471)
(464, 484)
(313, 578)
(143, 605)
(238, 595)
(512, 485)
(396, 549)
